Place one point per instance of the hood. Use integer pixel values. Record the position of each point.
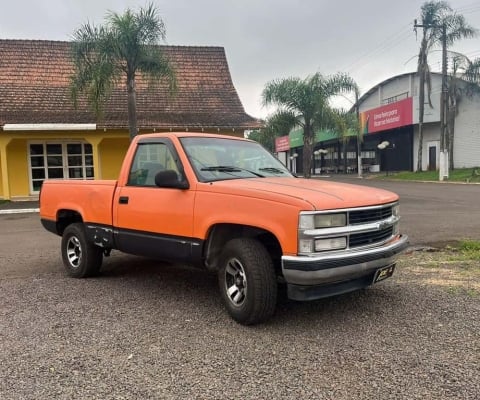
(312, 193)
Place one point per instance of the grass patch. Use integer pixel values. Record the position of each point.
(457, 175)
(460, 290)
(454, 269)
(4, 202)
(466, 250)
(471, 246)
(470, 250)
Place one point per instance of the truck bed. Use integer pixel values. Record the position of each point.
(91, 199)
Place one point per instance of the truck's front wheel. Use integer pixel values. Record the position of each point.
(247, 281)
(80, 257)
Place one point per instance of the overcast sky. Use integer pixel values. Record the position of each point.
(371, 40)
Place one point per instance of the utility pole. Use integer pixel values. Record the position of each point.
(421, 96)
(359, 133)
(444, 164)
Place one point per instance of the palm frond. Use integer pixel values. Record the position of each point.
(125, 44)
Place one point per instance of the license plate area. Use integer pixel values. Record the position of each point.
(383, 273)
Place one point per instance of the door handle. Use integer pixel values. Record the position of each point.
(123, 200)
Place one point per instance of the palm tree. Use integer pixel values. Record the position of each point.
(126, 45)
(347, 125)
(307, 101)
(472, 74)
(440, 24)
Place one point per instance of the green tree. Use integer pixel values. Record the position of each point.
(472, 74)
(307, 101)
(439, 24)
(347, 125)
(126, 45)
(276, 125)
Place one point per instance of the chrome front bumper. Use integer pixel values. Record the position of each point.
(339, 267)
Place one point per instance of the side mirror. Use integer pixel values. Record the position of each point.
(170, 179)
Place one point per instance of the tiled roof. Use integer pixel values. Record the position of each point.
(34, 88)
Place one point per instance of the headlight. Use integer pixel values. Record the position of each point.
(315, 245)
(306, 221)
(395, 230)
(337, 243)
(308, 243)
(316, 221)
(396, 210)
(330, 220)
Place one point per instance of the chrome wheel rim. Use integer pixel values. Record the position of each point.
(74, 252)
(235, 282)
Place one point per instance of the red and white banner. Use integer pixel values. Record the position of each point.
(387, 117)
(282, 143)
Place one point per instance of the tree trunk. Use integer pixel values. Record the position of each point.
(421, 99)
(451, 114)
(307, 150)
(444, 94)
(132, 107)
(451, 134)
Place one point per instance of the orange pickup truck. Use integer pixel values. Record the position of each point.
(227, 205)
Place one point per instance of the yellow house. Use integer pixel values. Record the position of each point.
(42, 135)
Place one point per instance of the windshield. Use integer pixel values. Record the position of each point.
(216, 159)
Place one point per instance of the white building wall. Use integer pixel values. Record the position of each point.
(467, 124)
(430, 114)
(396, 87)
(466, 150)
(370, 102)
(431, 138)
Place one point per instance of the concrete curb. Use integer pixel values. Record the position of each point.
(20, 211)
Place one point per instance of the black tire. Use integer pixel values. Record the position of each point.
(247, 281)
(80, 257)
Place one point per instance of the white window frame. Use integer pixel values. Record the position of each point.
(64, 155)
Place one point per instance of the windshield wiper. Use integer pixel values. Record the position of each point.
(228, 168)
(273, 170)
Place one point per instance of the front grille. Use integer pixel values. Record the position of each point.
(366, 216)
(367, 238)
(366, 227)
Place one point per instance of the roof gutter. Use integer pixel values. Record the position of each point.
(49, 127)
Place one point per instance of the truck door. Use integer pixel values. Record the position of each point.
(149, 220)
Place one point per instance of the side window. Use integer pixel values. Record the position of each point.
(150, 158)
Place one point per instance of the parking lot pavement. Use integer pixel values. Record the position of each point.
(19, 207)
(144, 329)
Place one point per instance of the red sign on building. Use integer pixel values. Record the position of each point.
(282, 143)
(390, 116)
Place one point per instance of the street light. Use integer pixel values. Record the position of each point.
(293, 159)
(318, 154)
(385, 146)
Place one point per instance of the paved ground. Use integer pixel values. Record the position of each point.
(146, 330)
(149, 330)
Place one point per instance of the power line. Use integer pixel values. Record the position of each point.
(395, 39)
(470, 9)
(390, 42)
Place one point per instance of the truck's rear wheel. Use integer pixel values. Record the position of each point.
(80, 257)
(247, 281)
